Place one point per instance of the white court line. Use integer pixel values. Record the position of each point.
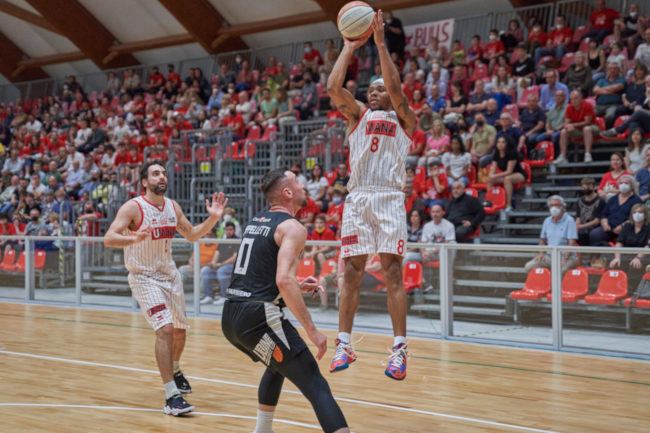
(347, 400)
(142, 409)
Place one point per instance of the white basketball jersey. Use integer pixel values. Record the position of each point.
(153, 256)
(378, 149)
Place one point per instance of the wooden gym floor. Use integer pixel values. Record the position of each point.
(76, 370)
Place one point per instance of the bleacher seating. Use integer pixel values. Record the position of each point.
(611, 289)
(536, 287)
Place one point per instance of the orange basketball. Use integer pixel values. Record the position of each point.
(355, 20)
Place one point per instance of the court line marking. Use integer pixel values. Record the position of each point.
(144, 409)
(347, 400)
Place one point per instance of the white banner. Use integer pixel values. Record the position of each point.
(420, 34)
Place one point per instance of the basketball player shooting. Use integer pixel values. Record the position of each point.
(374, 216)
(144, 227)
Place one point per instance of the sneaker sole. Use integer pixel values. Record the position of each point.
(342, 367)
(177, 412)
(393, 377)
(185, 391)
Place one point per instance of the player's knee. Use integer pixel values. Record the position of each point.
(165, 332)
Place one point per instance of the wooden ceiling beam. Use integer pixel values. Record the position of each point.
(37, 62)
(25, 15)
(275, 23)
(331, 8)
(10, 56)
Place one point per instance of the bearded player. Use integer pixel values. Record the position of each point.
(374, 217)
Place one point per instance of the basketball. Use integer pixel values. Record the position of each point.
(355, 20)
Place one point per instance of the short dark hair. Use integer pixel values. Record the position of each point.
(144, 169)
(271, 179)
(321, 217)
(230, 224)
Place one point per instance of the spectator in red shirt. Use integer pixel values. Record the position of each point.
(173, 76)
(312, 58)
(436, 187)
(235, 121)
(321, 233)
(334, 214)
(410, 86)
(558, 41)
(578, 122)
(412, 199)
(308, 212)
(493, 49)
(474, 52)
(6, 229)
(536, 37)
(87, 224)
(602, 22)
(271, 70)
(156, 81)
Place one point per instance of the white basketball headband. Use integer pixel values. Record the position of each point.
(379, 81)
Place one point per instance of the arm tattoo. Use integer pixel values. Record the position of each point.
(403, 107)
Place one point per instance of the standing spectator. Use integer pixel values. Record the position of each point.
(643, 50)
(549, 90)
(558, 41)
(602, 22)
(578, 76)
(465, 212)
(395, 38)
(635, 151)
(559, 229)
(609, 183)
(643, 177)
(457, 161)
(555, 120)
(438, 230)
(616, 212)
(511, 173)
(578, 123)
(532, 120)
(609, 93)
(590, 206)
(220, 268)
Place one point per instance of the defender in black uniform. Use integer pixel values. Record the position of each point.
(263, 282)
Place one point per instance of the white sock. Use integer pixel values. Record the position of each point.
(344, 337)
(264, 422)
(177, 367)
(170, 389)
(398, 340)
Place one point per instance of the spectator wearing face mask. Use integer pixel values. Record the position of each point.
(228, 216)
(634, 234)
(590, 205)
(559, 229)
(616, 212)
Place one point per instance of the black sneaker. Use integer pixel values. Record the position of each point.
(181, 383)
(609, 133)
(177, 405)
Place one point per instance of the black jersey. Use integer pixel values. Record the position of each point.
(253, 277)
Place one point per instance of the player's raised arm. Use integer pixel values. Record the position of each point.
(215, 211)
(127, 216)
(292, 236)
(344, 100)
(391, 78)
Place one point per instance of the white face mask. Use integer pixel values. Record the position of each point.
(638, 217)
(493, 37)
(559, 26)
(227, 218)
(624, 187)
(308, 49)
(555, 211)
(633, 14)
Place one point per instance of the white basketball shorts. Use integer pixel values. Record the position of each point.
(162, 301)
(374, 221)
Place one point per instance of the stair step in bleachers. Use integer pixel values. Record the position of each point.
(474, 311)
(462, 299)
(519, 226)
(576, 176)
(497, 269)
(557, 188)
(583, 164)
(496, 239)
(535, 200)
(490, 284)
(502, 254)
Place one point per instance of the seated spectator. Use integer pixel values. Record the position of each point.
(457, 161)
(478, 99)
(523, 69)
(307, 214)
(8, 192)
(513, 36)
(436, 187)
(437, 143)
(640, 118)
(418, 103)
(609, 183)
(245, 107)
(285, 107)
(317, 187)
(493, 49)
(465, 212)
(320, 233)
(590, 206)
(634, 234)
(457, 54)
(597, 60)
(483, 139)
(297, 170)
(36, 187)
(506, 128)
(617, 56)
(549, 90)
(75, 179)
(156, 81)
(341, 181)
(435, 101)
(578, 122)
(578, 76)
(438, 230)
(558, 41)
(629, 29)
(602, 22)
(502, 86)
(334, 215)
(411, 85)
(643, 176)
(113, 85)
(435, 51)
(492, 112)
(413, 235)
(228, 217)
(635, 91)
(36, 225)
(245, 79)
(616, 212)
(234, 121)
(609, 93)
(309, 98)
(554, 121)
(456, 104)
(635, 151)
(439, 77)
(643, 51)
(532, 120)
(412, 199)
(311, 58)
(13, 165)
(220, 267)
(559, 229)
(474, 52)
(86, 224)
(537, 37)
(507, 160)
(207, 251)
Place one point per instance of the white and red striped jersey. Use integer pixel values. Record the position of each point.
(153, 256)
(378, 149)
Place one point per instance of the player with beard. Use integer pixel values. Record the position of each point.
(144, 227)
(374, 217)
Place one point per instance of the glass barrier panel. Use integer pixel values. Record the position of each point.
(53, 270)
(104, 279)
(217, 262)
(13, 280)
(421, 278)
(182, 251)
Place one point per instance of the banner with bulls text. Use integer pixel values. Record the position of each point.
(420, 34)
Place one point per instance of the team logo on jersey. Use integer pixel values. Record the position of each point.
(381, 127)
(265, 348)
(158, 308)
(163, 233)
(261, 219)
(350, 240)
(277, 354)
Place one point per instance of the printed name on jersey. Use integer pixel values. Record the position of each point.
(350, 240)
(236, 292)
(381, 127)
(264, 348)
(163, 232)
(257, 230)
(157, 309)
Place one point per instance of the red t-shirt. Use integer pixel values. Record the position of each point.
(409, 202)
(11, 229)
(608, 179)
(419, 137)
(88, 227)
(157, 79)
(430, 190)
(576, 116)
(310, 56)
(494, 47)
(174, 78)
(327, 235)
(603, 20)
(310, 208)
(231, 121)
(539, 37)
(408, 90)
(123, 159)
(557, 37)
(335, 209)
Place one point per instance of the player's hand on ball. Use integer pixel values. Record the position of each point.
(320, 340)
(356, 43)
(143, 233)
(219, 203)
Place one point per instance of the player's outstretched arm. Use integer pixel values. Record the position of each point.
(344, 100)
(215, 211)
(389, 72)
(291, 236)
(128, 215)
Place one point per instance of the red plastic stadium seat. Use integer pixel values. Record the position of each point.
(575, 285)
(39, 259)
(20, 263)
(471, 191)
(412, 276)
(530, 90)
(549, 154)
(640, 303)
(267, 132)
(330, 176)
(537, 285)
(543, 60)
(579, 32)
(472, 179)
(496, 195)
(328, 268)
(600, 122)
(434, 265)
(8, 261)
(611, 289)
(306, 268)
(513, 110)
(529, 175)
(567, 61)
(480, 71)
(584, 45)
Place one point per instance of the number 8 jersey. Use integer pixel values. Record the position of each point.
(253, 276)
(378, 149)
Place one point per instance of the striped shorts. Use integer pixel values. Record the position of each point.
(373, 222)
(161, 301)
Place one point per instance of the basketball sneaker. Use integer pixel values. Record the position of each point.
(343, 357)
(181, 383)
(177, 405)
(397, 362)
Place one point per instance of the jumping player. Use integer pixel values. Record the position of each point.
(374, 217)
(144, 227)
(264, 282)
